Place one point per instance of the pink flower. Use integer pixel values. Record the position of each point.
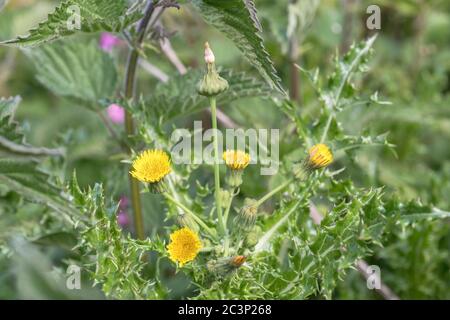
(108, 41)
(116, 113)
(122, 219)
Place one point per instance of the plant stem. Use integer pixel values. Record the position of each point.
(130, 79)
(264, 240)
(227, 210)
(274, 191)
(222, 226)
(327, 127)
(192, 214)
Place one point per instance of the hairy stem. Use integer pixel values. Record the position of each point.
(222, 226)
(130, 79)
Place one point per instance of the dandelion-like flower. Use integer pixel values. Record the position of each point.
(319, 156)
(184, 246)
(151, 166)
(236, 160)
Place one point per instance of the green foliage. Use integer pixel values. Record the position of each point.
(76, 70)
(175, 98)
(94, 16)
(118, 260)
(238, 20)
(308, 237)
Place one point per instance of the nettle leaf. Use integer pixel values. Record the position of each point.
(76, 69)
(238, 20)
(73, 16)
(179, 96)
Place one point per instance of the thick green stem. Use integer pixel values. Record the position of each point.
(200, 222)
(222, 226)
(130, 78)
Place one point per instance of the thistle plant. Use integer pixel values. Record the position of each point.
(232, 232)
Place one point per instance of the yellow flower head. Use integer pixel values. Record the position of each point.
(319, 156)
(236, 160)
(151, 166)
(184, 246)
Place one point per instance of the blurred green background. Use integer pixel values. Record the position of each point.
(410, 68)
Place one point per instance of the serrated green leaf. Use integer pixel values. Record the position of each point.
(77, 70)
(238, 20)
(94, 16)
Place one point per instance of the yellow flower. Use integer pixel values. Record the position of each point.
(319, 156)
(236, 160)
(184, 246)
(151, 166)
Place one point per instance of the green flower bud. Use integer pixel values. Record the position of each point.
(246, 218)
(253, 236)
(212, 83)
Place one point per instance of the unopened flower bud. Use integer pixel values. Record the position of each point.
(246, 218)
(209, 55)
(225, 266)
(253, 236)
(212, 83)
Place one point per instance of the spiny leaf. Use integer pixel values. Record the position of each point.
(93, 16)
(75, 69)
(238, 20)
